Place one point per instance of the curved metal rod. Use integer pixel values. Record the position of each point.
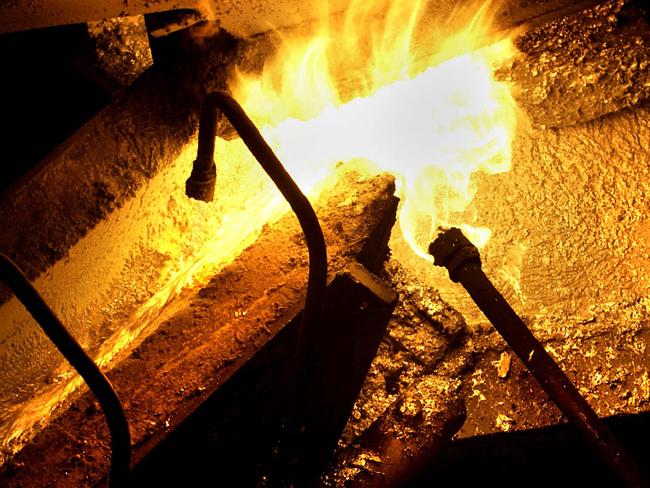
(203, 174)
(101, 387)
(200, 185)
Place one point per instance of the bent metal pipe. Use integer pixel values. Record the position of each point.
(200, 185)
(98, 383)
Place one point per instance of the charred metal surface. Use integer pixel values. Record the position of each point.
(507, 413)
(424, 336)
(338, 361)
(399, 446)
(240, 424)
(212, 334)
(583, 66)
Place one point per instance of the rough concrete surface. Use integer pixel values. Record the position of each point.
(122, 50)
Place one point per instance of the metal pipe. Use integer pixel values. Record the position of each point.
(201, 185)
(202, 177)
(461, 258)
(101, 387)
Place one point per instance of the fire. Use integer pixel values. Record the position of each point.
(425, 109)
(386, 85)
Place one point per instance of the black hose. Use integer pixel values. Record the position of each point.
(101, 387)
(455, 252)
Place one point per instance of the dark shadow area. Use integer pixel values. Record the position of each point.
(554, 456)
(45, 94)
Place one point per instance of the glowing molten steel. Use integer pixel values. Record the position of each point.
(431, 115)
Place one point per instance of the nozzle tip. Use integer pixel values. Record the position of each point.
(200, 184)
(451, 249)
(200, 190)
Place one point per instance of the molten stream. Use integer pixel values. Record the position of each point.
(390, 85)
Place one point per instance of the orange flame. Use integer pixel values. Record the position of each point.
(407, 91)
(427, 110)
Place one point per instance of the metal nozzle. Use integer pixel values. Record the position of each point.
(200, 184)
(452, 249)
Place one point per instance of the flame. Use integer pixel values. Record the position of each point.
(387, 85)
(425, 107)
